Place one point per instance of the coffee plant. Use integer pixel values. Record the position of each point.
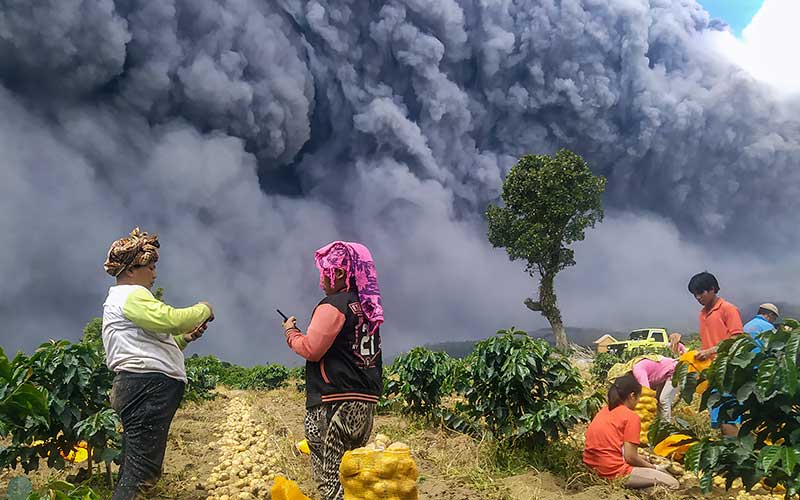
(765, 383)
(77, 382)
(524, 391)
(265, 377)
(422, 378)
(201, 383)
(21, 402)
(602, 363)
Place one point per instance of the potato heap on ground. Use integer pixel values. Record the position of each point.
(646, 409)
(247, 463)
(379, 471)
(759, 491)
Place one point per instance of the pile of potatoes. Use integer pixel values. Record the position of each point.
(247, 463)
(646, 409)
(379, 471)
(758, 491)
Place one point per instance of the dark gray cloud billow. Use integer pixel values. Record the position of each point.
(393, 123)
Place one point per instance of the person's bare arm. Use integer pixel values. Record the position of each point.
(631, 454)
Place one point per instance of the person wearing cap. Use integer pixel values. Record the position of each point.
(766, 318)
(144, 339)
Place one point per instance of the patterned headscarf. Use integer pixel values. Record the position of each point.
(356, 260)
(139, 249)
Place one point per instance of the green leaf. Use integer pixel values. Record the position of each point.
(709, 458)
(789, 458)
(19, 488)
(766, 375)
(793, 346)
(5, 366)
(769, 456)
(791, 375)
(706, 482)
(745, 390)
(692, 458)
(791, 323)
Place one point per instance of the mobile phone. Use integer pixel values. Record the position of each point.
(282, 315)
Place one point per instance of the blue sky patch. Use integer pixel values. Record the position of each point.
(737, 13)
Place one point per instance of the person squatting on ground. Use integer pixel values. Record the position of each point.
(612, 440)
(719, 320)
(342, 348)
(144, 339)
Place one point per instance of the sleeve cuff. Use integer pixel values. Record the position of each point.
(180, 341)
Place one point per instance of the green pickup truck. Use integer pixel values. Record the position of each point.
(645, 337)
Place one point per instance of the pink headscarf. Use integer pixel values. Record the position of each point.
(356, 260)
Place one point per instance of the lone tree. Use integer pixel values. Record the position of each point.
(549, 202)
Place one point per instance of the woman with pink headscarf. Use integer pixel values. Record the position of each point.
(344, 367)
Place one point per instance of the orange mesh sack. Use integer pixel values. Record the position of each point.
(379, 474)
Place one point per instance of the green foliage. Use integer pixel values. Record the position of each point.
(201, 383)
(765, 382)
(235, 377)
(20, 488)
(389, 400)
(632, 352)
(266, 377)
(77, 382)
(93, 333)
(21, 402)
(549, 202)
(692, 342)
(422, 379)
(298, 374)
(524, 390)
(211, 371)
(603, 361)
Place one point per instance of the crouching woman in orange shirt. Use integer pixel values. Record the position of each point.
(612, 440)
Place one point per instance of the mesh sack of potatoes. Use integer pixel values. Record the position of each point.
(646, 409)
(379, 472)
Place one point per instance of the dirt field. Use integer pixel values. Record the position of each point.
(452, 466)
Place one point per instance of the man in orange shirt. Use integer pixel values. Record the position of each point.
(719, 320)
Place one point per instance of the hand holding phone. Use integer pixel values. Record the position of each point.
(288, 323)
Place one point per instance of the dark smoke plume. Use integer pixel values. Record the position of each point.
(249, 133)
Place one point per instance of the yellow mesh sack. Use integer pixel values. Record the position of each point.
(646, 409)
(379, 474)
(286, 489)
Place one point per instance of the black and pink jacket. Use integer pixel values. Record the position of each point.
(343, 361)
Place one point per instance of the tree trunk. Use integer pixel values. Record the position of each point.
(547, 301)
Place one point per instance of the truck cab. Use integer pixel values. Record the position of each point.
(644, 337)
